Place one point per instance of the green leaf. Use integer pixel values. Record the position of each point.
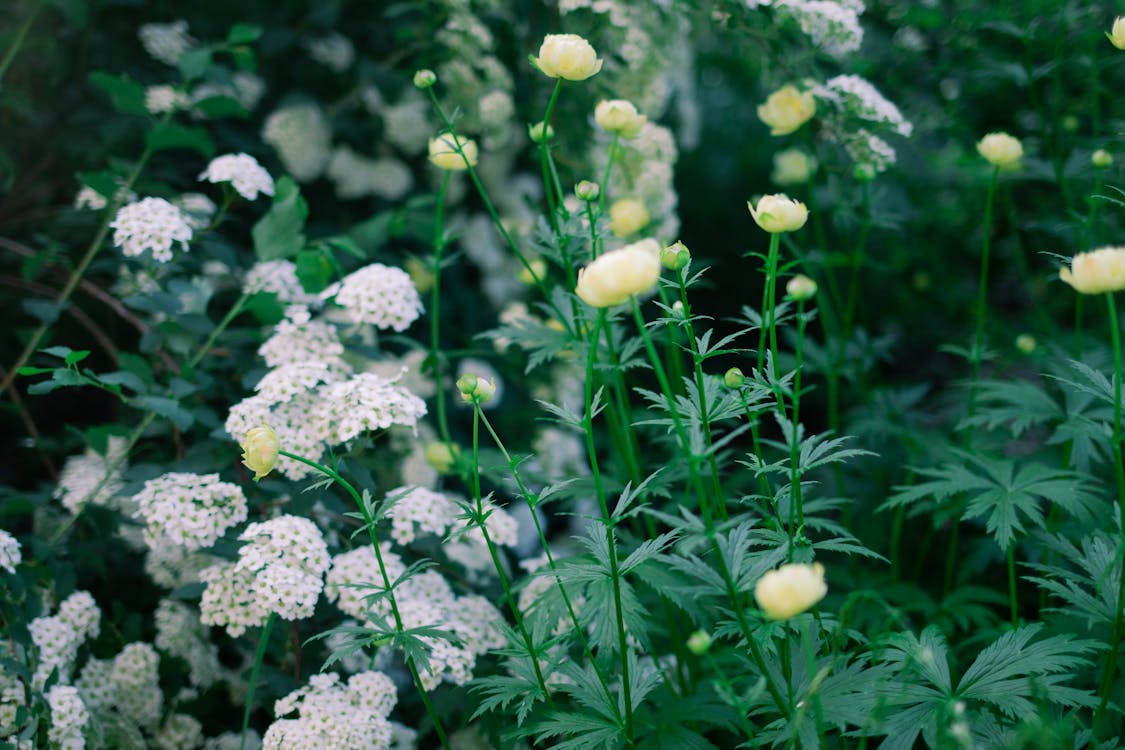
(126, 95)
(165, 407)
(170, 135)
(194, 62)
(220, 106)
(75, 357)
(280, 233)
(243, 33)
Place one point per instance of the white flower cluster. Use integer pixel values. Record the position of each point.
(233, 741)
(129, 685)
(644, 170)
(164, 98)
(424, 599)
(380, 295)
(172, 567)
(280, 570)
(295, 340)
(367, 402)
(302, 136)
(82, 474)
(165, 41)
(58, 637)
(866, 148)
(179, 633)
(855, 96)
(334, 51)
(151, 224)
(198, 209)
(831, 25)
(277, 277)
(10, 555)
(357, 176)
(247, 88)
(68, 718)
(242, 171)
(407, 126)
(417, 509)
(331, 714)
(179, 731)
(189, 510)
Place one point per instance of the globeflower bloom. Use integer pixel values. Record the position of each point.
(614, 277)
(1001, 150)
(1116, 35)
(790, 590)
(567, 56)
(444, 155)
(627, 217)
(619, 117)
(801, 288)
(779, 213)
(259, 450)
(1095, 272)
(787, 109)
(792, 167)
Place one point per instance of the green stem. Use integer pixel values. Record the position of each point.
(982, 301)
(767, 317)
(369, 523)
(436, 357)
(553, 198)
(859, 256)
(17, 42)
(796, 504)
(259, 656)
(604, 187)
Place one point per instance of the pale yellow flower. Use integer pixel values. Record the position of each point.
(801, 288)
(1001, 150)
(567, 56)
(619, 116)
(443, 152)
(1101, 159)
(614, 277)
(779, 213)
(787, 109)
(790, 590)
(1116, 35)
(441, 456)
(1098, 271)
(259, 450)
(627, 217)
(792, 167)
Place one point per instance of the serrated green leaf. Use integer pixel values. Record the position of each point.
(280, 233)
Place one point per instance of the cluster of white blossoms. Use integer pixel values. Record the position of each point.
(855, 96)
(423, 599)
(869, 150)
(10, 555)
(382, 296)
(417, 509)
(198, 209)
(151, 224)
(165, 41)
(277, 277)
(243, 172)
(302, 137)
(177, 732)
(189, 510)
(332, 714)
(368, 402)
(334, 51)
(68, 718)
(179, 633)
(831, 25)
(57, 637)
(164, 98)
(279, 570)
(126, 687)
(298, 339)
(244, 87)
(171, 567)
(357, 176)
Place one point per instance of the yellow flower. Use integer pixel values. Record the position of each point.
(443, 152)
(614, 277)
(1101, 270)
(779, 213)
(801, 288)
(1001, 150)
(627, 217)
(790, 590)
(1101, 159)
(1117, 35)
(567, 56)
(259, 450)
(421, 274)
(441, 456)
(792, 167)
(476, 390)
(1026, 343)
(620, 117)
(787, 109)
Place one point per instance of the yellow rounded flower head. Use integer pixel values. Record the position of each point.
(627, 217)
(1001, 150)
(475, 389)
(1101, 159)
(442, 456)
(1117, 33)
(614, 277)
(801, 288)
(787, 109)
(259, 450)
(620, 117)
(1098, 271)
(792, 167)
(443, 152)
(790, 590)
(567, 56)
(779, 213)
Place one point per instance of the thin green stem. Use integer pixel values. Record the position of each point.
(859, 257)
(259, 656)
(553, 198)
(796, 504)
(436, 358)
(767, 317)
(610, 156)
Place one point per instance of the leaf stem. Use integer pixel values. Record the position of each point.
(259, 656)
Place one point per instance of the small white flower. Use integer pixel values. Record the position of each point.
(151, 224)
(243, 172)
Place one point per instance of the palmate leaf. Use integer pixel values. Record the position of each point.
(1087, 578)
(1002, 490)
(1016, 405)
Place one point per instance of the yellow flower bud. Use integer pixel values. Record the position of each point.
(567, 56)
(421, 274)
(443, 152)
(699, 642)
(540, 131)
(587, 191)
(1117, 35)
(1001, 150)
(1026, 343)
(790, 590)
(787, 109)
(675, 256)
(614, 277)
(424, 79)
(1101, 159)
(792, 167)
(1101, 270)
(627, 217)
(259, 450)
(620, 117)
(801, 288)
(535, 269)
(733, 378)
(476, 390)
(779, 213)
(441, 456)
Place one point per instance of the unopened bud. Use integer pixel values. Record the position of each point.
(1026, 343)
(475, 390)
(424, 79)
(734, 378)
(801, 288)
(1101, 159)
(441, 456)
(587, 191)
(675, 256)
(699, 642)
(539, 131)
